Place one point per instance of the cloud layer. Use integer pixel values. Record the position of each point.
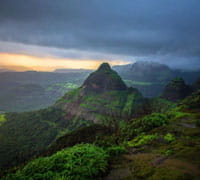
(157, 30)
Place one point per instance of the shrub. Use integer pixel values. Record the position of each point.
(115, 150)
(169, 152)
(142, 140)
(106, 141)
(127, 131)
(154, 120)
(81, 162)
(2, 119)
(177, 114)
(147, 123)
(169, 137)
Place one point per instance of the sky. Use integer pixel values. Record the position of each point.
(49, 34)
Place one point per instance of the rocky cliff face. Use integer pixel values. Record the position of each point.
(102, 97)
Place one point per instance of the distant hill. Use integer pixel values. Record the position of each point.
(145, 71)
(14, 68)
(72, 71)
(5, 70)
(21, 91)
(151, 77)
(176, 90)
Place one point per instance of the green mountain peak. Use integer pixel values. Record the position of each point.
(104, 66)
(104, 79)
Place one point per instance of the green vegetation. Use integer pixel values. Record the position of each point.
(133, 83)
(63, 87)
(137, 126)
(169, 137)
(31, 133)
(161, 105)
(169, 152)
(176, 113)
(146, 145)
(70, 96)
(116, 150)
(81, 162)
(130, 137)
(2, 119)
(142, 140)
(104, 106)
(192, 102)
(153, 120)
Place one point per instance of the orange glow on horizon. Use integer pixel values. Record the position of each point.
(48, 63)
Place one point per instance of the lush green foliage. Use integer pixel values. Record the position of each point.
(115, 150)
(2, 118)
(176, 113)
(142, 140)
(90, 134)
(25, 134)
(81, 162)
(154, 120)
(169, 137)
(147, 123)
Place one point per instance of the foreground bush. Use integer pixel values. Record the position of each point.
(81, 162)
(145, 124)
(142, 140)
(154, 120)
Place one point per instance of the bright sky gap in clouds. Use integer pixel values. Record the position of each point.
(81, 34)
(48, 64)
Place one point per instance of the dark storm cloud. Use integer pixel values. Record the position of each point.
(138, 28)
